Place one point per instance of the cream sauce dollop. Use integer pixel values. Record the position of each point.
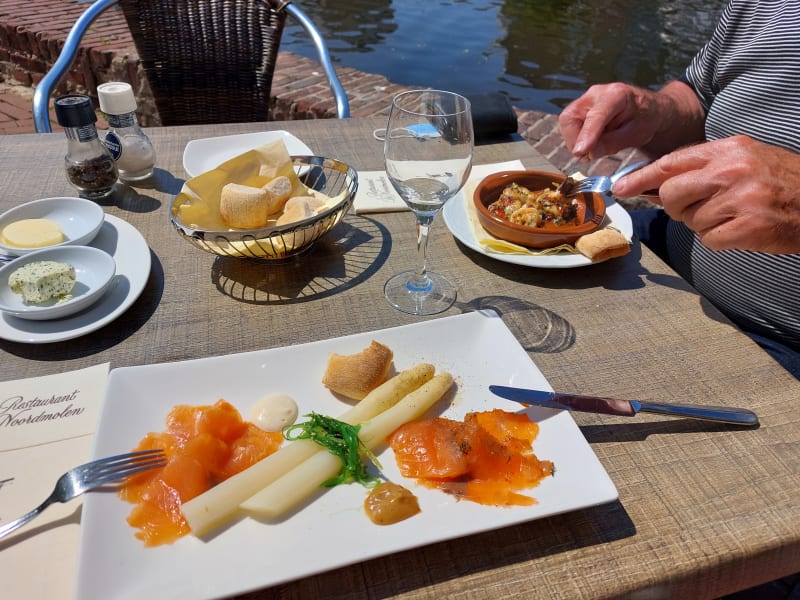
(274, 412)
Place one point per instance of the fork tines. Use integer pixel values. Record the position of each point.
(584, 185)
(567, 187)
(117, 467)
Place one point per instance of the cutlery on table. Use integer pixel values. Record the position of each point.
(625, 408)
(92, 475)
(599, 184)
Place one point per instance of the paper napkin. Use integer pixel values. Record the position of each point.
(46, 428)
(376, 194)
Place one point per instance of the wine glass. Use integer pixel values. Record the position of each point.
(428, 157)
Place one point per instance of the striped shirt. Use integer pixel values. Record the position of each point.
(748, 79)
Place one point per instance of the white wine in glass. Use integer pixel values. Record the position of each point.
(428, 157)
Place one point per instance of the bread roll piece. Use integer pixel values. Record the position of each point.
(243, 206)
(603, 244)
(316, 204)
(278, 191)
(356, 375)
(296, 209)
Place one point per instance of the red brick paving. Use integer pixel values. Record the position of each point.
(15, 112)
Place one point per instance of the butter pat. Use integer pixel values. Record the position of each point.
(32, 233)
(42, 280)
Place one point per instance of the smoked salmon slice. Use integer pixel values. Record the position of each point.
(486, 458)
(204, 445)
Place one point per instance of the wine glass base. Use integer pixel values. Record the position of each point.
(405, 296)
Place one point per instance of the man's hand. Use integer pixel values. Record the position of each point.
(734, 192)
(611, 117)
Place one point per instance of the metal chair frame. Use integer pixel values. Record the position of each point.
(47, 85)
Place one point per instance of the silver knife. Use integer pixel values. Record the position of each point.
(625, 408)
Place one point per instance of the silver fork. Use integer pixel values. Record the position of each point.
(90, 476)
(598, 183)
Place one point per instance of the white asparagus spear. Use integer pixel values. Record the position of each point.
(301, 482)
(215, 506)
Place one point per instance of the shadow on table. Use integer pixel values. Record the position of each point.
(347, 256)
(624, 273)
(536, 328)
(126, 198)
(639, 431)
(466, 557)
(33, 529)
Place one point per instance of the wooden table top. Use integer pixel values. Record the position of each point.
(703, 509)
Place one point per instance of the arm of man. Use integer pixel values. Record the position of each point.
(611, 117)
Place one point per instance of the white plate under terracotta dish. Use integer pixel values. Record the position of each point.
(476, 348)
(131, 253)
(79, 220)
(206, 154)
(457, 221)
(94, 271)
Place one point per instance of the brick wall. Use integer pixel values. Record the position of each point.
(32, 33)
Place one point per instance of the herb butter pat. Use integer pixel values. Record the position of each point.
(41, 281)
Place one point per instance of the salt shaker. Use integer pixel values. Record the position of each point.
(89, 165)
(127, 143)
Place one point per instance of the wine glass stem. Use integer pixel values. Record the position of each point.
(421, 282)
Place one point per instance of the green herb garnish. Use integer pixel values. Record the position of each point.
(340, 439)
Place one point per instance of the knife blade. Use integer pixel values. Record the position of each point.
(625, 408)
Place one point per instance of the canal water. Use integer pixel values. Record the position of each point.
(540, 53)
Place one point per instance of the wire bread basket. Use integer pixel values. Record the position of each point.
(328, 176)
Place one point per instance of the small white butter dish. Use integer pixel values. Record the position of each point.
(94, 273)
(79, 220)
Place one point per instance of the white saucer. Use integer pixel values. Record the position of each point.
(208, 153)
(457, 221)
(94, 270)
(121, 240)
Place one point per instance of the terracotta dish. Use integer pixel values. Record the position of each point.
(591, 210)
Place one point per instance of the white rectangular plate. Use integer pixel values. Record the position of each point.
(476, 348)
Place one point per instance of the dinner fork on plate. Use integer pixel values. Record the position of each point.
(600, 184)
(90, 476)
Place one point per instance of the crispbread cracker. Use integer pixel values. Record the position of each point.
(603, 244)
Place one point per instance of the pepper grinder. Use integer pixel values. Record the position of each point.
(127, 143)
(89, 165)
